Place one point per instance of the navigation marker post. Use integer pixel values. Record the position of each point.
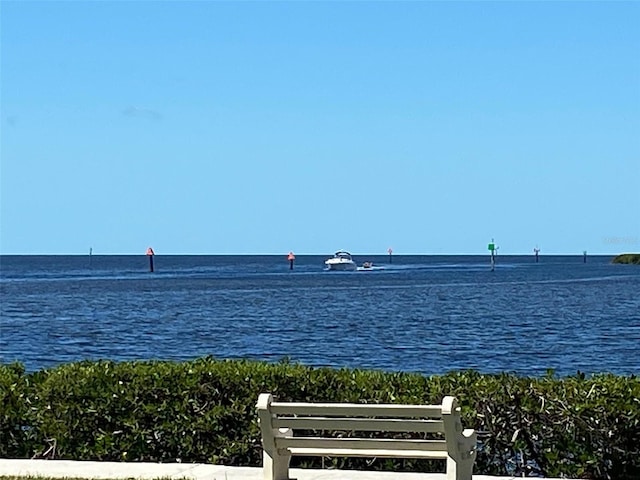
(150, 254)
(291, 257)
(390, 253)
(494, 251)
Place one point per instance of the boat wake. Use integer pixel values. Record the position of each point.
(369, 268)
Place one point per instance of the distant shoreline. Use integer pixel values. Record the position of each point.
(627, 259)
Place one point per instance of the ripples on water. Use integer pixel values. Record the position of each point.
(423, 314)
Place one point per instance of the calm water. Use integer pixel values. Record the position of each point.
(427, 314)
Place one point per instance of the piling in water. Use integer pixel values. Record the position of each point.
(150, 254)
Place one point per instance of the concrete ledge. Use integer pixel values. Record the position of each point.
(196, 471)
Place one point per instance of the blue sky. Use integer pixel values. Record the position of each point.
(264, 127)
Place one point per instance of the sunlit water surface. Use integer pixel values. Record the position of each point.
(429, 314)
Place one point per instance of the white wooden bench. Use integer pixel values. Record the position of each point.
(279, 421)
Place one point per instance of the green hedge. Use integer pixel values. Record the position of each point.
(628, 258)
(204, 411)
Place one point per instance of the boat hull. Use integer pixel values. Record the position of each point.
(341, 266)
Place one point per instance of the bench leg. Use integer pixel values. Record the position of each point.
(276, 467)
(460, 469)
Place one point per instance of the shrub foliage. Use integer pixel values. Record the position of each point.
(629, 258)
(204, 411)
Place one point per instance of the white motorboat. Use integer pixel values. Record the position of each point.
(341, 260)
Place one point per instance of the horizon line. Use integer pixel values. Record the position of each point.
(170, 254)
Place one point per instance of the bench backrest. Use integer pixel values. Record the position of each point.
(279, 421)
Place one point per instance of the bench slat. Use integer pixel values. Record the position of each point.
(346, 452)
(359, 424)
(357, 409)
(358, 444)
